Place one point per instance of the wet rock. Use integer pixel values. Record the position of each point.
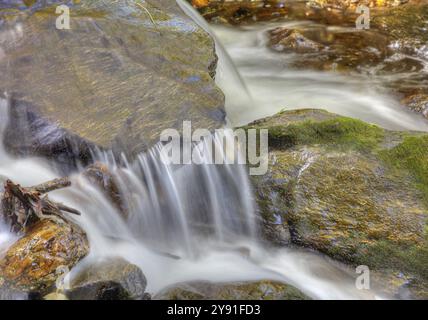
(31, 266)
(349, 189)
(247, 11)
(100, 175)
(353, 4)
(393, 51)
(116, 80)
(325, 11)
(406, 27)
(108, 279)
(260, 290)
(418, 103)
(293, 40)
(333, 49)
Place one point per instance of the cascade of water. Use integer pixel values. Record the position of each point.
(175, 207)
(238, 98)
(184, 223)
(188, 222)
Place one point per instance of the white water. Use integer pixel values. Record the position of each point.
(276, 86)
(162, 234)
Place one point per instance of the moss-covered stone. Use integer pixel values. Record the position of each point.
(348, 189)
(260, 290)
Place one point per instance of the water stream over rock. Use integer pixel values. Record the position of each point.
(163, 235)
(275, 85)
(199, 222)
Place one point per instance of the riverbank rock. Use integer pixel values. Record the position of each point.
(260, 290)
(122, 73)
(351, 190)
(32, 265)
(108, 279)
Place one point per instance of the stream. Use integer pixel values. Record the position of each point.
(169, 205)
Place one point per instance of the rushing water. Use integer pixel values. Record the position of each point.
(275, 85)
(188, 223)
(199, 222)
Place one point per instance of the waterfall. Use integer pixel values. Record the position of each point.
(177, 207)
(238, 98)
(185, 223)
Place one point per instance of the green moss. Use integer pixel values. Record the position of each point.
(411, 155)
(340, 131)
(384, 255)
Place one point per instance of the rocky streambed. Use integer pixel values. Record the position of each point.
(347, 192)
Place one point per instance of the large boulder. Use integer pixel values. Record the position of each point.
(258, 290)
(108, 279)
(32, 265)
(124, 72)
(349, 189)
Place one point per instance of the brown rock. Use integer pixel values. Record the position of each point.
(33, 263)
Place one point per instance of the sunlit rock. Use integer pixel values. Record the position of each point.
(32, 265)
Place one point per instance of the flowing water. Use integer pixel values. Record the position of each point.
(275, 85)
(185, 223)
(198, 222)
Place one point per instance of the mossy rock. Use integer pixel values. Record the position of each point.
(349, 189)
(31, 266)
(259, 290)
(119, 77)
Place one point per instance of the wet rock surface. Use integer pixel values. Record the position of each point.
(348, 189)
(251, 11)
(259, 290)
(108, 279)
(115, 80)
(100, 176)
(31, 266)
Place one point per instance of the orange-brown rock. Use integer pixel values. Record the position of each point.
(34, 262)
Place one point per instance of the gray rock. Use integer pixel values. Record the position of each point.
(108, 279)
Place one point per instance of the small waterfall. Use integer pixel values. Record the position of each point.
(238, 97)
(185, 223)
(178, 207)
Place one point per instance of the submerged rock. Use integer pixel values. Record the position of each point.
(349, 189)
(259, 290)
(31, 266)
(418, 103)
(331, 49)
(99, 174)
(124, 72)
(108, 279)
